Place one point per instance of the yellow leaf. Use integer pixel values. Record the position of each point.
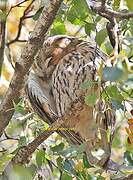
(106, 175)
(19, 11)
(6, 74)
(12, 26)
(100, 70)
(79, 166)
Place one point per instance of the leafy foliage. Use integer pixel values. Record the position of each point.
(90, 99)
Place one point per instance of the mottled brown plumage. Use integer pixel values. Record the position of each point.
(62, 65)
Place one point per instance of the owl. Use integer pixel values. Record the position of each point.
(64, 74)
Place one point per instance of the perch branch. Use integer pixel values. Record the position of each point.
(22, 66)
(23, 154)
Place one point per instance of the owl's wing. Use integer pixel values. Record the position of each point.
(41, 100)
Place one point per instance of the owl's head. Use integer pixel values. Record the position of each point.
(56, 47)
(53, 50)
(58, 41)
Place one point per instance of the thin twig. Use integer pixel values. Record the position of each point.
(17, 5)
(7, 137)
(2, 38)
(16, 39)
(2, 43)
(28, 17)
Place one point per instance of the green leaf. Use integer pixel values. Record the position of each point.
(128, 158)
(58, 28)
(4, 159)
(98, 18)
(85, 161)
(112, 74)
(2, 15)
(22, 141)
(116, 140)
(32, 169)
(114, 93)
(20, 173)
(81, 148)
(78, 12)
(87, 84)
(81, 8)
(40, 157)
(108, 48)
(129, 4)
(100, 178)
(89, 27)
(19, 107)
(68, 166)
(100, 36)
(117, 105)
(58, 147)
(37, 14)
(72, 16)
(126, 169)
(116, 4)
(70, 151)
(90, 99)
(59, 161)
(65, 176)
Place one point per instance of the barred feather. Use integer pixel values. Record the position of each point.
(59, 71)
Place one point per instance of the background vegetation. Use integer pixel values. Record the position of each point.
(54, 158)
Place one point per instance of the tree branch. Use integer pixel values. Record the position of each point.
(23, 154)
(2, 38)
(102, 10)
(109, 14)
(26, 60)
(2, 43)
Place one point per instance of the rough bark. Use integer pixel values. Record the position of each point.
(23, 65)
(2, 38)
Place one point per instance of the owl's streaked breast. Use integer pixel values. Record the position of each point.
(72, 70)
